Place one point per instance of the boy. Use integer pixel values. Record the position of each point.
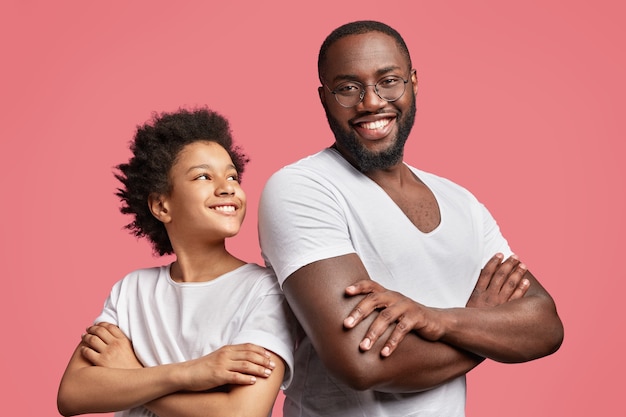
(210, 333)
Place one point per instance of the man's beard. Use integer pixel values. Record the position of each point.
(366, 160)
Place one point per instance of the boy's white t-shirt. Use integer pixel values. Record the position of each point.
(171, 322)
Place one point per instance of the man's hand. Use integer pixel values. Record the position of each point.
(498, 283)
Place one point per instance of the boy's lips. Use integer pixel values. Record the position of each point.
(225, 208)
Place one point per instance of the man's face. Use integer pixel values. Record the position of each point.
(371, 134)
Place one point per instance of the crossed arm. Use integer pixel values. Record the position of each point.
(509, 318)
(104, 375)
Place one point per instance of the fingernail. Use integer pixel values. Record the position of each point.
(252, 380)
(268, 372)
(385, 351)
(366, 343)
(350, 288)
(349, 321)
(272, 364)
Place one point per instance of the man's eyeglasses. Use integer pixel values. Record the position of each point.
(351, 93)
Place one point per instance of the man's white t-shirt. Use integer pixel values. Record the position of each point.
(321, 207)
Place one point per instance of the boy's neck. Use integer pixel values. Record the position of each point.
(203, 266)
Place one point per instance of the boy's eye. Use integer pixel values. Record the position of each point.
(203, 177)
(234, 177)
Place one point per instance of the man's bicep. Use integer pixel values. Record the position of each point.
(316, 294)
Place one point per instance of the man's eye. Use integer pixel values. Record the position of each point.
(348, 89)
(389, 82)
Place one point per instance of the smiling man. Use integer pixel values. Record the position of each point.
(400, 279)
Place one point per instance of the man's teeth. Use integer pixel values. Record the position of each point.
(375, 125)
(225, 208)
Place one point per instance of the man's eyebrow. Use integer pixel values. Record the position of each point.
(379, 73)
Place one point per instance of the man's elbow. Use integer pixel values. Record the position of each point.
(360, 373)
(553, 331)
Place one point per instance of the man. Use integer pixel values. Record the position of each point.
(355, 219)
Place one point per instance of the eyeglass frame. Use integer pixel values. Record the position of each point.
(362, 93)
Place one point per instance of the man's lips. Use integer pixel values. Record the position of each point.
(374, 128)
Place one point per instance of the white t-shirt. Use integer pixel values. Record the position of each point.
(171, 322)
(321, 207)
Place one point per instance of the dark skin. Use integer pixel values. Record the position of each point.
(389, 342)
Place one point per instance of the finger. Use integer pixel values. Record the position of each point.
(253, 353)
(236, 378)
(252, 368)
(89, 354)
(364, 286)
(487, 272)
(401, 329)
(502, 273)
(364, 308)
(92, 341)
(113, 329)
(385, 318)
(521, 290)
(100, 331)
(512, 282)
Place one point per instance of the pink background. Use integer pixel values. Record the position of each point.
(521, 102)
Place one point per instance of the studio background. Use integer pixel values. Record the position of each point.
(521, 102)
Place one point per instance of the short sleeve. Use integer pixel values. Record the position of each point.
(301, 220)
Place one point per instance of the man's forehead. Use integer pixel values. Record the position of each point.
(372, 51)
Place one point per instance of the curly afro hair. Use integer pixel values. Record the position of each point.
(155, 149)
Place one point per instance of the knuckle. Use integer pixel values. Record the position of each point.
(402, 326)
(387, 315)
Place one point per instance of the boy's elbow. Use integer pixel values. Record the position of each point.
(63, 409)
(64, 404)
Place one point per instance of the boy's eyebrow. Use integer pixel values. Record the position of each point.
(207, 166)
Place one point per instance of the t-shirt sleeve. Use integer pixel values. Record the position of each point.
(109, 312)
(301, 220)
(494, 242)
(269, 322)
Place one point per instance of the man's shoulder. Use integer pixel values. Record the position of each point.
(314, 162)
(323, 164)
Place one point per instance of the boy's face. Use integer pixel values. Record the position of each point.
(206, 202)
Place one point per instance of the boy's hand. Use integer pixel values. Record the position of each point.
(230, 364)
(106, 345)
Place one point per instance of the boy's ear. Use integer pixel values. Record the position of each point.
(158, 207)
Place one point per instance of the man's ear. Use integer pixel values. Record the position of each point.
(158, 205)
(322, 94)
(414, 80)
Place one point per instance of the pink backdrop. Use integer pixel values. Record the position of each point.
(522, 102)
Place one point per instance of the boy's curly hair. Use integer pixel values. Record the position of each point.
(155, 148)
